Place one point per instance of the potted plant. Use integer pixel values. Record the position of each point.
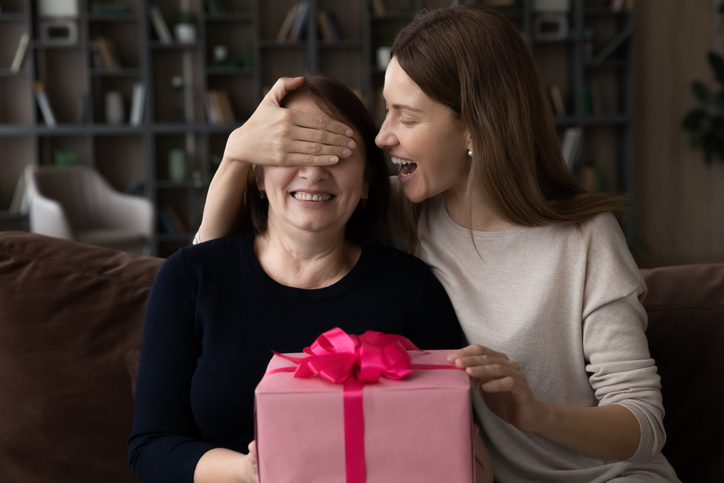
(185, 27)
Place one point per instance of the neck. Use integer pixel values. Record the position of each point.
(478, 217)
(309, 261)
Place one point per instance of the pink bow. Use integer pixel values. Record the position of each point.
(336, 355)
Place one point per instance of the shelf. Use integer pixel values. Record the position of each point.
(226, 71)
(230, 17)
(46, 46)
(608, 64)
(605, 12)
(342, 44)
(174, 46)
(115, 73)
(112, 17)
(393, 17)
(13, 17)
(8, 73)
(6, 215)
(273, 44)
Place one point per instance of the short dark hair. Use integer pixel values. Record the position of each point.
(339, 102)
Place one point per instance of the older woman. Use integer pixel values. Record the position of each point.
(300, 267)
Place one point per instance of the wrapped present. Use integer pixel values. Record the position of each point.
(371, 408)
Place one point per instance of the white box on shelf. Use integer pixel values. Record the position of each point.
(58, 8)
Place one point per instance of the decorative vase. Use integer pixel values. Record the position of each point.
(114, 107)
(176, 165)
(185, 33)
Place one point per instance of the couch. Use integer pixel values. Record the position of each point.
(71, 317)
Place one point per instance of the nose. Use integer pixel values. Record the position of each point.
(385, 138)
(313, 174)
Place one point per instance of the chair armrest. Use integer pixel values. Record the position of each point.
(131, 213)
(47, 217)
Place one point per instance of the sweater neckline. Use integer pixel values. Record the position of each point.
(246, 247)
(439, 211)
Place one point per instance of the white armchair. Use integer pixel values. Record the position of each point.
(76, 203)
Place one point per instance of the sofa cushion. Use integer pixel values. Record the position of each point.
(685, 305)
(69, 313)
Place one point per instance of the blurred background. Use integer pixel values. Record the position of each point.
(143, 94)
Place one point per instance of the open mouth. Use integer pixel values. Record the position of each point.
(407, 167)
(311, 197)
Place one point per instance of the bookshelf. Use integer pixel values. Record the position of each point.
(137, 156)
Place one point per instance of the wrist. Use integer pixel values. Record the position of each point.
(547, 420)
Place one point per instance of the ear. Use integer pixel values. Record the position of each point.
(468, 140)
(258, 173)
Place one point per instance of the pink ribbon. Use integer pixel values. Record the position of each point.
(353, 360)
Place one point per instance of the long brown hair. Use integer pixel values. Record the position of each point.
(339, 102)
(474, 61)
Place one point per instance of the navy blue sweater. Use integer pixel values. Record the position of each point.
(213, 318)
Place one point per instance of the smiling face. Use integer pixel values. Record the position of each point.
(424, 137)
(314, 199)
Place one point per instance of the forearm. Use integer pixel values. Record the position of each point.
(224, 199)
(220, 465)
(609, 432)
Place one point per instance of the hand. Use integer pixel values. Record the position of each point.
(249, 469)
(483, 463)
(502, 386)
(274, 135)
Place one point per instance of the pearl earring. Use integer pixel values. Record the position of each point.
(470, 153)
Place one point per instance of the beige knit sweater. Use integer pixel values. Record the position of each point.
(565, 304)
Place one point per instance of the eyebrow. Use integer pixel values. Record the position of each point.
(406, 107)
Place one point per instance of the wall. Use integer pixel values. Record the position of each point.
(680, 207)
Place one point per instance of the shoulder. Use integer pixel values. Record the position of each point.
(396, 262)
(212, 251)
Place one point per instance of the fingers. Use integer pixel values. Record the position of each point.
(474, 350)
(252, 449)
(282, 87)
(322, 123)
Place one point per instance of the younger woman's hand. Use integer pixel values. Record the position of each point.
(502, 386)
(277, 136)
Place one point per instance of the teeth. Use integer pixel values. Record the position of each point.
(311, 197)
(401, 161)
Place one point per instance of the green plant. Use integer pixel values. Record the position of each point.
(705, 123)
(185, 17)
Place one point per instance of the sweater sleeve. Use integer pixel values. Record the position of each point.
(165, 443)
(434, 324)
(614, 341)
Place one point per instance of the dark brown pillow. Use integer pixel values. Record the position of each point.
(69, 313)
(685, 305)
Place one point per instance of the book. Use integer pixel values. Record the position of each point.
(137, 102)
(559, 108)
(159, 24)
(299, 27)
(378, 8)
(20, 204)
(333, 24)
(571, 146)
(106, 48)
(175, 219)
(219, 108)
(44, 105)
(165, 221)
(612, 45)
(287, 24)
(324, 28)
(20, 53)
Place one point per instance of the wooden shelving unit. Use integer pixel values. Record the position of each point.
(125, 154)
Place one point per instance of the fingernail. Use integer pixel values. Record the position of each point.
(349, 132)
(451, 357)
(333, 159)
(346, 152)
(352, 144)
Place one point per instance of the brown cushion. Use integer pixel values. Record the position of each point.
(685, 305)
(69, 313)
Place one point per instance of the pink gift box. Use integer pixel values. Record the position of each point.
(417, 429)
